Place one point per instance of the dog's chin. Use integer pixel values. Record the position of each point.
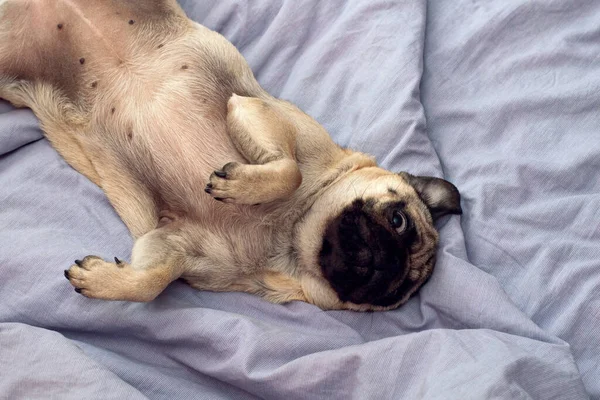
(397, 297)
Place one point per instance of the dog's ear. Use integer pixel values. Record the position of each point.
(440, 196)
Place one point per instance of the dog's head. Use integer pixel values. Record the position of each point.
(369, 241)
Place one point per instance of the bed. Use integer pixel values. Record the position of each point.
(501, 98)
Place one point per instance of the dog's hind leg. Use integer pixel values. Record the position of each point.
(25, 59)
(65, 127)
(60, 121)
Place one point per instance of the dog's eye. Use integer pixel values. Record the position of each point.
(399, 221)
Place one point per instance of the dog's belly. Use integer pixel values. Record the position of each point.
(163, 132)
(63, 42)
(151, 85)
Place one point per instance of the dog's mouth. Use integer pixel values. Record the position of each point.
(381, 291)
(414, 280)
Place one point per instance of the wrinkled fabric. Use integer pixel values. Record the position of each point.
(501, 98)
(512, 98)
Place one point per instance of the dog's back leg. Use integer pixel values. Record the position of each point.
(22, 71)
(65, 127)
(37, 71)
(61, 122)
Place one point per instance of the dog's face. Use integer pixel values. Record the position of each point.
(374, 242)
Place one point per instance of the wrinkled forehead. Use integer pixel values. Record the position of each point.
(375, 180)
(382, 189)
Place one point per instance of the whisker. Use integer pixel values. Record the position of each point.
(367, 188)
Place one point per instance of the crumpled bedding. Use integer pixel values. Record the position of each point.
(501, 98)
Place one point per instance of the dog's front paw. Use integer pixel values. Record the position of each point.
(231, 184)
(96, 278)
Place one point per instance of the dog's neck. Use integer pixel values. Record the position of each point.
(292, 214)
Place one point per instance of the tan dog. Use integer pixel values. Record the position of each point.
(147, 104)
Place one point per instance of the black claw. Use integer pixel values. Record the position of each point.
(208, 190)
(67, 274)
(221, 174)
(78, 290)
(218, 198)
(78, 262)
(209, 185)
(118, 261)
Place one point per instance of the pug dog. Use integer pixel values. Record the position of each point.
(221, 184)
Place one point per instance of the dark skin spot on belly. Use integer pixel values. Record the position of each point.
(94, 84)
(131, 22)
(112, 110)
(160, 46)
(184, 67)
(130, 135)
(82, 61)
(59, 26)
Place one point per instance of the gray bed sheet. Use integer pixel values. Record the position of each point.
(507, 108)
